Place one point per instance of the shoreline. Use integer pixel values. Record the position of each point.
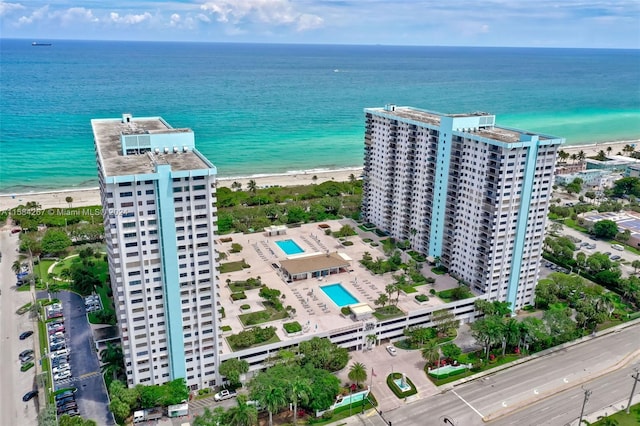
(91, 196)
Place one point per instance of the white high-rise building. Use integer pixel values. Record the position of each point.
(463, 190)
(159, 206)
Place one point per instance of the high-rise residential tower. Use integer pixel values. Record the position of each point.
(464, 191)
(159, 207)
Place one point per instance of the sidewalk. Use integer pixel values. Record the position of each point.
(607, 411)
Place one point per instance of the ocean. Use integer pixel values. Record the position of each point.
(266, 109)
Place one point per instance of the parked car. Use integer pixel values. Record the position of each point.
(392, 350)
(72, 413)
(26, 334)
(27, 396)
(57, 328)
(57, 346)
(615, 257)
(65, 394)
(224, 394)
(62, 375)
(60, 352)
(27, 359)
(26, 354)
(64, 401)
(68, 407)
(61, 368)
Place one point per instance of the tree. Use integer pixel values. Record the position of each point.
(66, 420)
(271, 396)
(431, 352)
(252, 186)
(381, 300)
(299, 390)
(216, 417)
(16, 266)
(232, 369)
(358, 372)
(451, 351)
(69, 200)
(55, 241)
(563, 155)
(635, 265)
(242, 414)
(488, 331)
(120, 410)
(321, 353)
(444, 320)
(606, 229)
(324, 388)
(112, 360)
(47, 417)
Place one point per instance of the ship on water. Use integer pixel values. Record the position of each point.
(35, 43)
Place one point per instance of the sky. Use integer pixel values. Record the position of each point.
(522, 23)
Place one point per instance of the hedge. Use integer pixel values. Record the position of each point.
(396, 390)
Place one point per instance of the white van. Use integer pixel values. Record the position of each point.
(617, 247)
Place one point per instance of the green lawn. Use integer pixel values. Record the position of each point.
(274, 339)
(624, 419)
(231, 267)
(387, 312)
(260, 317)
(464, 359)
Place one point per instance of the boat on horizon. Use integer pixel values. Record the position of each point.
(35, 43)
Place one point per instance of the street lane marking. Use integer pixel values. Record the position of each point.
(469, 405)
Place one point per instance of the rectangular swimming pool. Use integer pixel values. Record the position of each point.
(339, 295)
(289, 247)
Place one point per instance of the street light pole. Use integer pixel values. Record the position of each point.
(635, 382)
(587, 394)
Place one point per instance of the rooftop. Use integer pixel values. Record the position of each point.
(180, 155)
(477, 123)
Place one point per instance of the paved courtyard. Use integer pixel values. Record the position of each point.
(314, 310)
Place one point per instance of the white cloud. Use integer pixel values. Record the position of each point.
(74, 15)
(6, 8)
(36, 15)
(270, 12)
(175, 20)
(129, 19)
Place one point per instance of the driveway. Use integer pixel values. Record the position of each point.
(92, 399)
(382, 364)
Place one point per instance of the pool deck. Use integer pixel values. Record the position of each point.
(315, 311)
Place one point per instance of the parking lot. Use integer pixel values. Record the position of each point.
(91, 396)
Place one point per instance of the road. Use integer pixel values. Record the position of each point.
(545, 391)
(14, 382)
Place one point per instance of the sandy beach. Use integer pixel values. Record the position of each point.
(91, 196)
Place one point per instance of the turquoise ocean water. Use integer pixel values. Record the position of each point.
(264, 109)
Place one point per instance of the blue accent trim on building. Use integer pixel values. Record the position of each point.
(523, 220)
(441, 183)
(170, 274)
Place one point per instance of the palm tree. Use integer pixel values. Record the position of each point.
(272, 397)
(609, 149)
(242, 414)
(16, 266)
(236, 186)
(431, 352)
(371, 340)
(252, 186)
(69, 200)
(574, 157)
(563, 155)
(581, 156)
(112, 359)
(635, 265)
(299, 391)
(357, 373)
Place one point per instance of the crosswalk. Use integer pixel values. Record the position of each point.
(76, 379)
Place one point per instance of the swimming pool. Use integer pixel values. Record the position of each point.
(289, 247)
(339, 295)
